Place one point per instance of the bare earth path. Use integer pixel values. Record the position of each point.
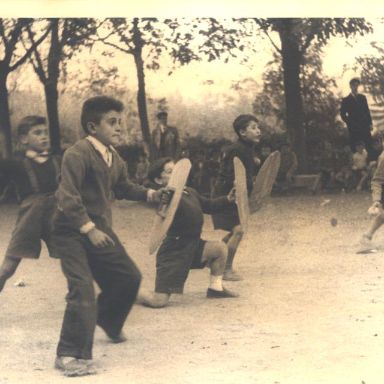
(311, 310)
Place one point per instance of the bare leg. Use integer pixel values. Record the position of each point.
(377, 222)
(233, 241)
(7, 269)
(215, 253)
(362, 181)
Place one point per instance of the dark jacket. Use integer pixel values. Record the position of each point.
(225, 180)
(355, 113)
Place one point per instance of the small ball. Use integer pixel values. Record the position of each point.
(333, 222)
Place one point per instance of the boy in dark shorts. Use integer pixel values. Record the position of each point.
(36, 177)
(183, 249)
(93, 174)
(249, 134)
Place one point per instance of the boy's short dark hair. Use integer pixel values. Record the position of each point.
(157, 167)
(355, 80)
(95, 107)
(161, 114)
(28, 122)
(241, 122)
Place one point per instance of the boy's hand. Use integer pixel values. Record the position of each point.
(166, 196)
(232, 195)
(99, 239)
(157, 196)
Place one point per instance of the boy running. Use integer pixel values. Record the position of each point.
(249, 134)
(36, 177)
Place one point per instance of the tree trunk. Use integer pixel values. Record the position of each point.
(50, 87)
(51, 101)
(291, 57)
(5, 120)
(141, 97)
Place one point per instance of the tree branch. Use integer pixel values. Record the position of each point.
(272, 42)
(30, 50)
(2, 33)
(39, 67)
(129, 51)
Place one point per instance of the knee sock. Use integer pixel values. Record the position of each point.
(216, 282)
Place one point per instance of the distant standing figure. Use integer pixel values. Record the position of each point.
(165, 141)
(355, 113)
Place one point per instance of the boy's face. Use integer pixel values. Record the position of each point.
(37, 138)
(163, 119)
(354, 87)
(251, 133)
(108, 130)
(165, 174)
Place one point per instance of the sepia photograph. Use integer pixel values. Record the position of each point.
(191, 193)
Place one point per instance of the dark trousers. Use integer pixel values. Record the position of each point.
(362, 135)
(116, 275)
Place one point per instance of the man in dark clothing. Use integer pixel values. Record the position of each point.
(355, 113)
(165, 141)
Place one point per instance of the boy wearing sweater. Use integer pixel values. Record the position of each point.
(93, 174)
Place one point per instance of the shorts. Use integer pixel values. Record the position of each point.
(226, 219)
(175, 257)
(34, 223)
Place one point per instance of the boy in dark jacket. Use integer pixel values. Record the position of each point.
(183, 249)
(93, 174)
(249, 134)
(36, 177)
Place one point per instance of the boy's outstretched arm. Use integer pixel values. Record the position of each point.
(126, 189)
(212, 205)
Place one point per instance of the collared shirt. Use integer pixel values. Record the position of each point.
(38, 157)
(105, 152)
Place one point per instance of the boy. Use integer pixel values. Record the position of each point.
(249, 134)
(376, 209)
(36, 178)
(360, 164)
(93, 174)
(183, 249)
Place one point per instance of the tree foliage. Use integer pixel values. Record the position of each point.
(12, 55)
(294, 37)
(372, 72)
(320, 102)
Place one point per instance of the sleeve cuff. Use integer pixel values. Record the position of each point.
(87, 227)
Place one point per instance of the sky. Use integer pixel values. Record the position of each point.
(190, 82)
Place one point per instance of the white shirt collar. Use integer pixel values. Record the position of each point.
(97, 144)
(102, 149)
(38, 157)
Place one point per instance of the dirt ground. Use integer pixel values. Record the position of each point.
(311, 310)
